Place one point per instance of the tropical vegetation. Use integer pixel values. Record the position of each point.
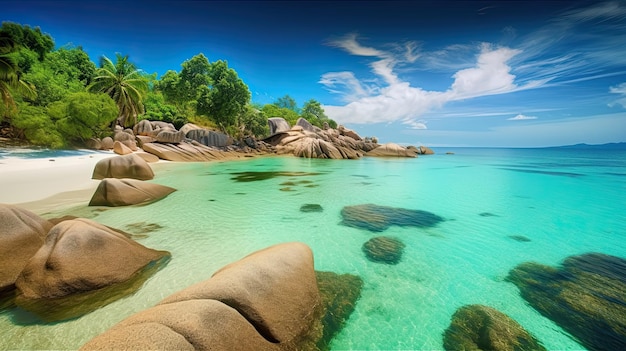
(60, 98)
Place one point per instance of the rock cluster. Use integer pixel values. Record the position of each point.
(478, 327)
(585, 297)
(55, 267)
(193, 143)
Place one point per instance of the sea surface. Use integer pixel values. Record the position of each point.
(564, 202)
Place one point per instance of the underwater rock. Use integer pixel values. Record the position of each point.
(79, 256)
(123, 192)
(478, 327)
(585, 297)
(384, 249)
(127, 166)
(268, 300)
(339, 293)
(22, 233)
(311, 208)
(377, 218)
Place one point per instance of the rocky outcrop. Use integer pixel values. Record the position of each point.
(268, 300)
(170, 136)
(392, 150)
(124, 192)
(22, 233)
(187, 152)
(209, 137)
(585, 297)
(143, 127)
(79, 256)
(107, 143)
(378, 218)
(384, 249)
(277, 125)
(127, 166)
(478, 327)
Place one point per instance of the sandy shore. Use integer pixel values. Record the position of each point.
(44, 184)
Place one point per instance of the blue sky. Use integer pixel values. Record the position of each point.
(440, 73)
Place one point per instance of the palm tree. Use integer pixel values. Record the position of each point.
(10, 73)
(124, 83)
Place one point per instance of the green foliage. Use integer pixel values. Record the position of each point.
(124, 83)
(253, 122)
(227, 97)
(287, 102)
(10, 79)
(158, 110)
(31, 38)
(271, 110)
(35, 125)
(84, 115)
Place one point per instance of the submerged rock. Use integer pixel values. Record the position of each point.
(377, 218)
(311, 208)
(22, 233)
(585, 297)
(478, 327)
(80, 256)
(339, 293)
(384, 249)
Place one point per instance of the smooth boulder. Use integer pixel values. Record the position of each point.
(121, 149)
(126, 166)
(22, 233)
(124, 192)
(81, 255)
(391, 150)
(268, 300)
(277, 125)
(478, 327)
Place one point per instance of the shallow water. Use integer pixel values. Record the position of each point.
(565, 202)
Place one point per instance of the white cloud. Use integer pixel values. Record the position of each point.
(620, 89)
(521, 117)
(421, 124)
(398, 100)
(491, 75)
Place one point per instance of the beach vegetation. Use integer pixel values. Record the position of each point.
(125, 84)
(10, 73)
(84, 115)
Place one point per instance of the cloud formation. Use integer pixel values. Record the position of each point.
(397, 100)
(521, 117)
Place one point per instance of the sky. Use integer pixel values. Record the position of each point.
(436, 73)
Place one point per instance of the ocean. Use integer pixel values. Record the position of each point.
(561, 202)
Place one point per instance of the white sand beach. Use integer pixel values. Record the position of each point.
(43, 184)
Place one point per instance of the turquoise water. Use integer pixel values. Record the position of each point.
(567, 202)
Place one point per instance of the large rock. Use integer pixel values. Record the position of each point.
(22, 233)
(107, 143)
(391, 150)
(126, 166)
(306, 125)
(478, 327)
(124, 192)
(268, 300)
(585, 297)
(348, 132)
(80, 256)
(170, 136)
(187, 152)
(143, 127)
(378, 218)
(121, 149)
(209, 137)
(277, 125)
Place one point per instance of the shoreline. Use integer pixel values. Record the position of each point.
(41, 184)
